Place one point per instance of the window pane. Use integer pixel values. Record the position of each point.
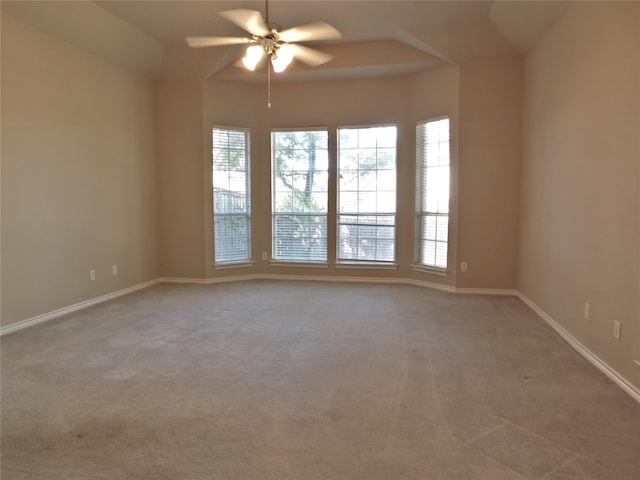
(441, 255)
(300, 237)
(386, 158)
(231, 201)
(442, 233)
(429, 252)
(386, 137)
(300, 177)
(349, 160)
(348, 138)
(232, 238)
(435, 227)
(367, 194)
(429, 227)
(386, 202)
(366, 238)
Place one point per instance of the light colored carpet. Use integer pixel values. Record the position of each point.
(284, 380)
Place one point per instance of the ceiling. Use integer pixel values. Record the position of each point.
(378, 37)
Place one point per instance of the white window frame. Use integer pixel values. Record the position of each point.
(222, 195)
(432, 211)
(316, 255)
(378, 213)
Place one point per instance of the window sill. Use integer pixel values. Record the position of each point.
(225, 266)
(378, 266)
(284, 263)
(443, 272)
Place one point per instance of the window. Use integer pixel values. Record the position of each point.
(231, 195)
(300, 164)
(432, 193)
(367, 195)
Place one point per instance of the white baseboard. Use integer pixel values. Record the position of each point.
(618, 379)
(488, 291)
(591, 357)
(212, 281)
(293, 278)
(73, 308)
(431, 285)
(312, 278)
(241, 278)
(338, 279)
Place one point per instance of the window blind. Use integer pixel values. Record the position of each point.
(432, 192)
(231, 195)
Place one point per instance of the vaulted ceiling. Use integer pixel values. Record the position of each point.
(378, 37)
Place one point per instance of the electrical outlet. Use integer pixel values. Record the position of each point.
(264, 256)
(587, 311)
(616, 329)
(463, 266)
(92, 274)
(114, 269)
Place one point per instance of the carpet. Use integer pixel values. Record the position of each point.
(308, 380)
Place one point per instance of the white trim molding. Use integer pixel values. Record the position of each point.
(488, 291)
(14, 327)
(284, 263)
(230, 265)
(431, 285)
(338, 278)
(618, 379)
(243, 278)
(210, 281)
(367, 266)
(443, 272)
(591, 357)
(285, 277)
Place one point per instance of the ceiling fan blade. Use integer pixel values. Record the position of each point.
(197, 42)
(249, 20)
(312, 31)
(310, 56)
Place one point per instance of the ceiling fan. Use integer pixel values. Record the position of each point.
(268, 40)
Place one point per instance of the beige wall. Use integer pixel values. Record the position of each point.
(78, 175)
(580, 199)
(489, 166)
(180, 179)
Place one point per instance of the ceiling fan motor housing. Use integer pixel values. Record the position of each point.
(267, 38)
(270, 43)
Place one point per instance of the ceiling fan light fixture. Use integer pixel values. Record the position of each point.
(281, 58)
(268, 39)
(252, 57)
